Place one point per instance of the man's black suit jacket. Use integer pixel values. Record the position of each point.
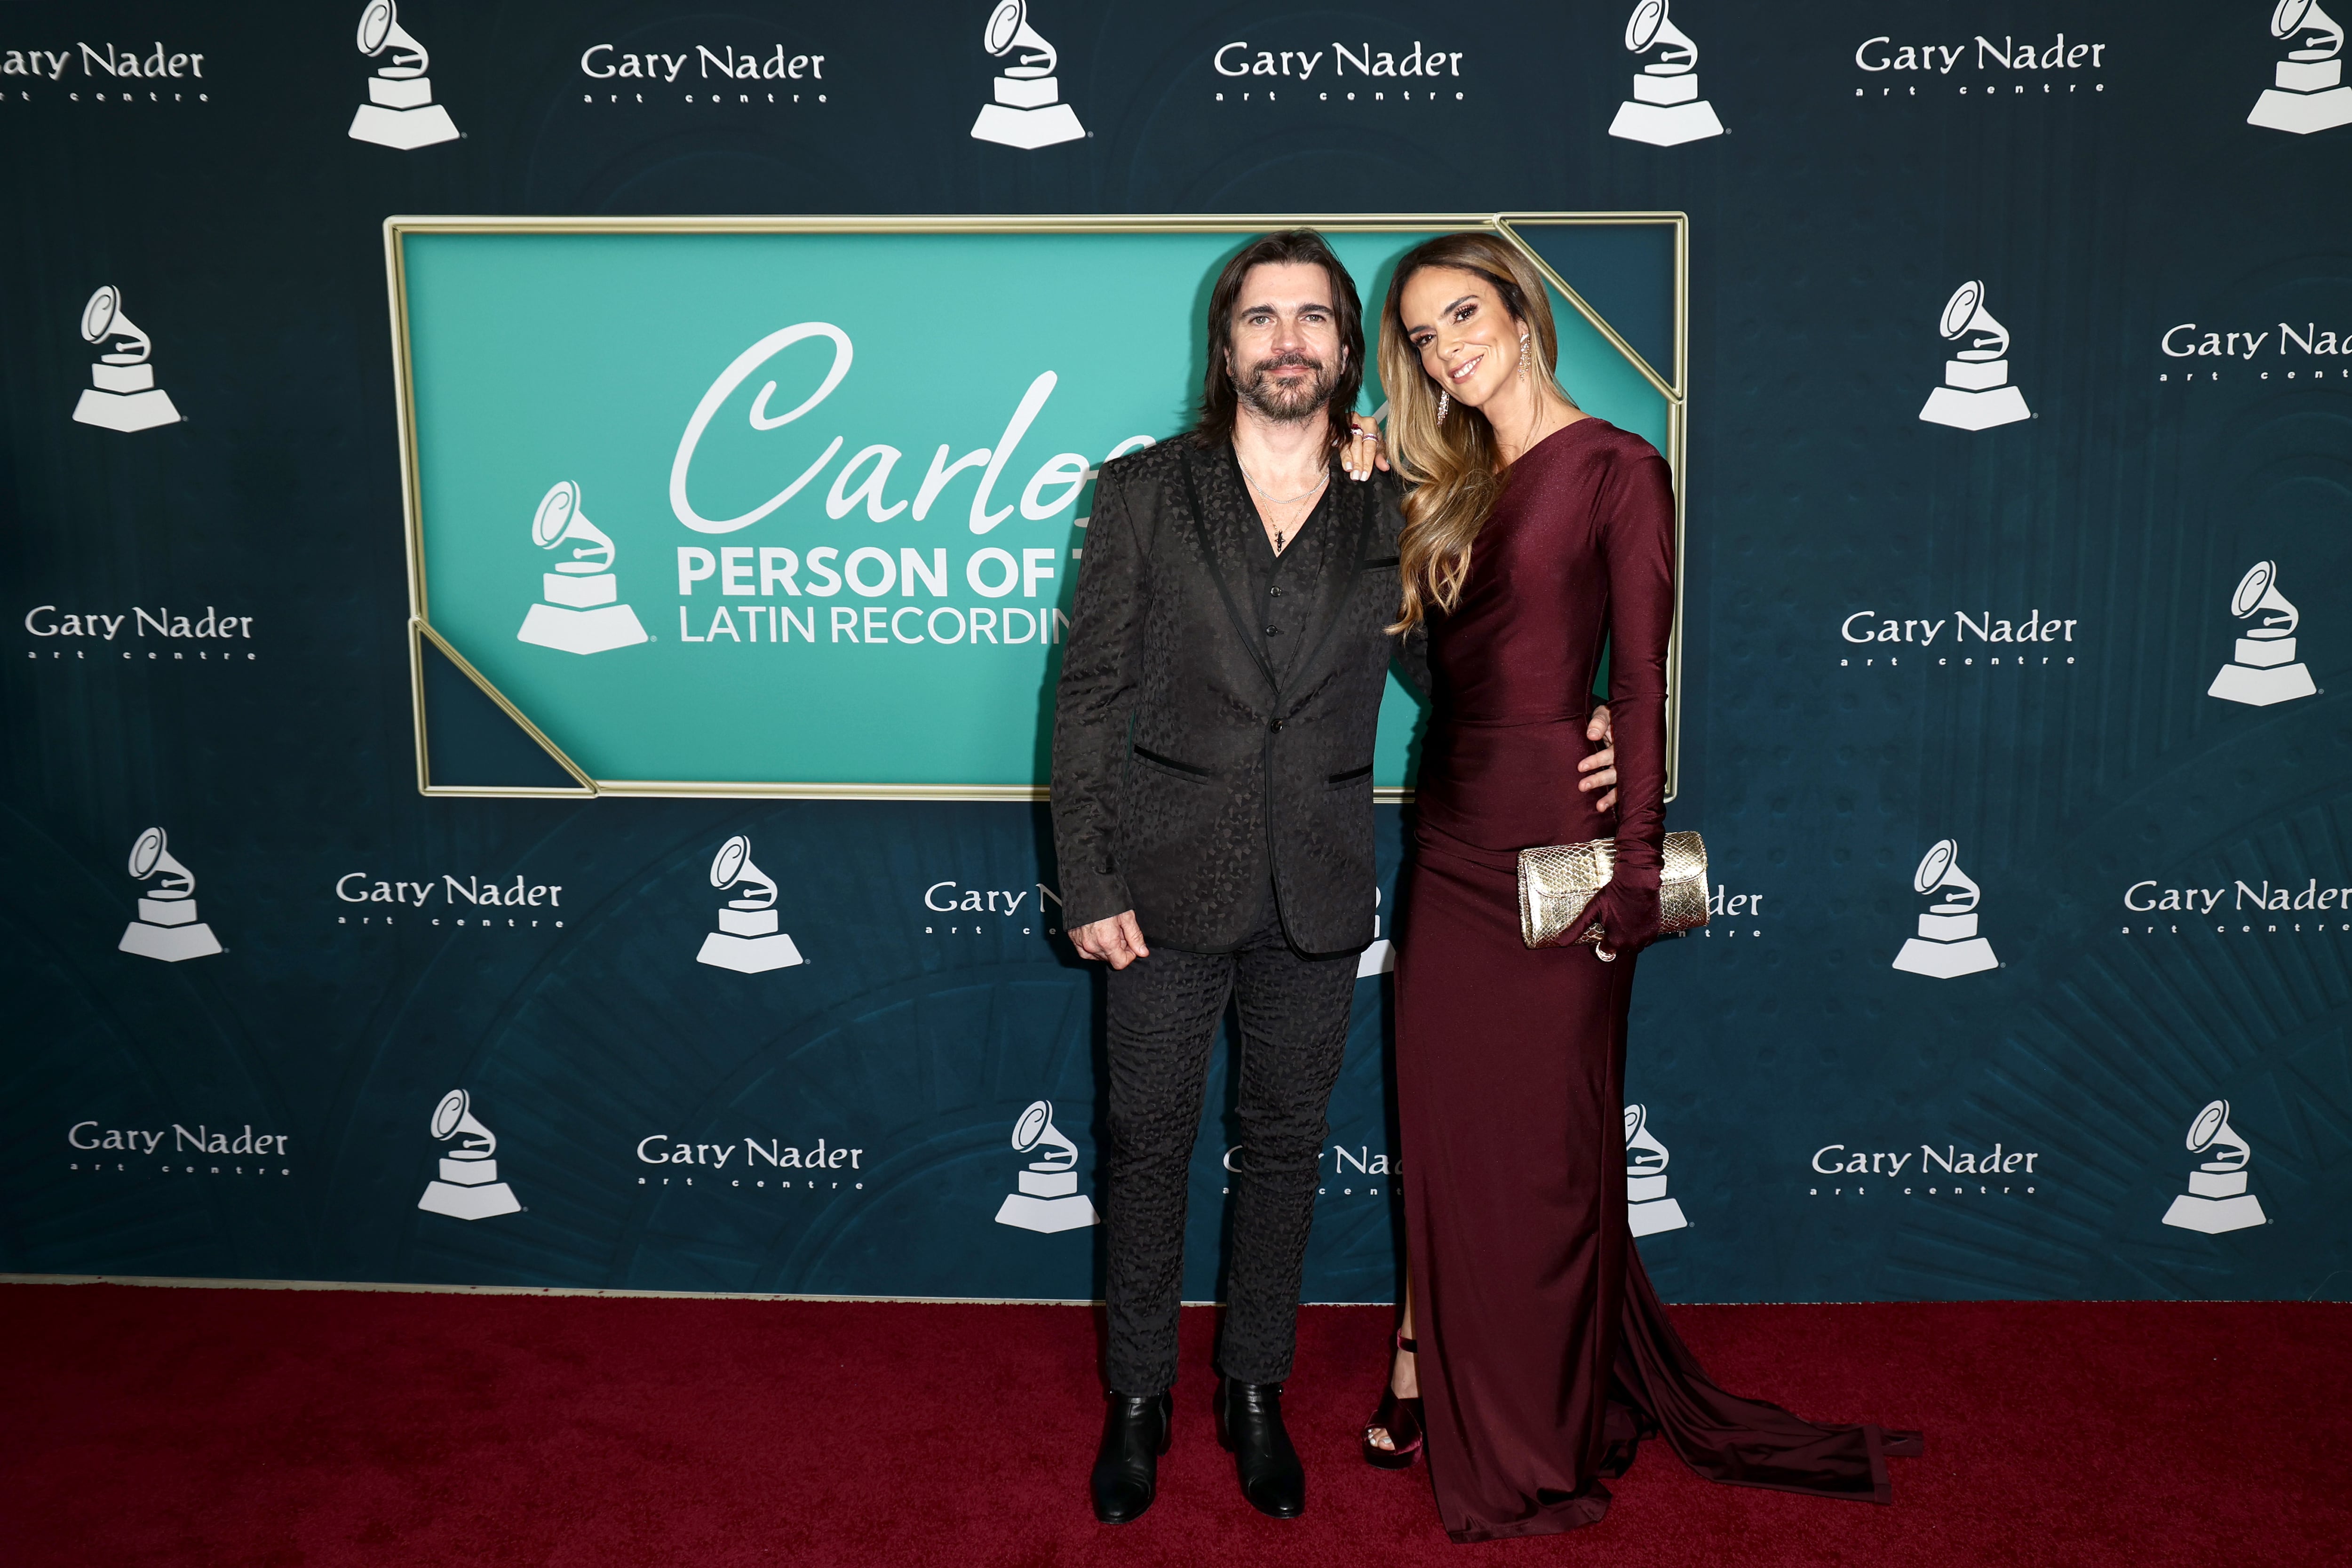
(1185, 776)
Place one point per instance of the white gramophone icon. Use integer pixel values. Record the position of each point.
(2217, 1199)
(2265, 670)
(468, 1186)
(580, 615)
(167, 927)
(747, 939)
(400, 111)
(1947, 945)
(2309, 94)
(1975, 394)
(122, 394)
(1027, 112)
(1648, 1210)
(1666, 109)
(1049, 1199)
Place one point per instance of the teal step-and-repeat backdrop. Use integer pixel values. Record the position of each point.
(389, 892)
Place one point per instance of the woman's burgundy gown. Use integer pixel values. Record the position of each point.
(1544, 1354)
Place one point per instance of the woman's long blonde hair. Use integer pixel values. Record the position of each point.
(1450, 465)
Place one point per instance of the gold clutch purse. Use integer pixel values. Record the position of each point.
(1557, 882)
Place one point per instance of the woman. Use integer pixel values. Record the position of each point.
(1534, 534)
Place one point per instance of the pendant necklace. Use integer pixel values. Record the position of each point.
(1280, 534)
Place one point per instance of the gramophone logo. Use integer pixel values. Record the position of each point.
(1947, 945)
(2308, 94)
(1049, 1199)
(2265, 669)
(1028, 111)
(1647, 1208)
(122, 394)
(167, 927)
(400, 111)
(579, 614)
(468, 1186)
(1666, 109)
(1975, 394)
(2217, 1199)
(747, 939)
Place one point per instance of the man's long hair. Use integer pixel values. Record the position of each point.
(1450, 465)
(1219, 400)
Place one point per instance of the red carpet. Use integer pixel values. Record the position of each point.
(226, 1428)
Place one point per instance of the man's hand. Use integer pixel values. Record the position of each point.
(1599, 769)
(1117, 942)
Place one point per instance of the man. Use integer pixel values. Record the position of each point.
(1212, 817)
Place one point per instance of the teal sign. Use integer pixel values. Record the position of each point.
(800, 510)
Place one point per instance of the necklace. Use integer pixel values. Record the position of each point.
(1320, 481)
(1282, 532)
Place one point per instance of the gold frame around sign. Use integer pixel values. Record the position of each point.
(1673, 387)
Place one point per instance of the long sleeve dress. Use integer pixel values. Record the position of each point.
(1545, 1355)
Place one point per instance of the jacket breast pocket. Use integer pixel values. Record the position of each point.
(1352, 777)
(1150, 758)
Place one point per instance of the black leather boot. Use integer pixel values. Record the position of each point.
(1249, 1422)
(1126, 1468)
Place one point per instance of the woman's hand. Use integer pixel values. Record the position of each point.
(1599, 769)
(1362, 451)
(1628, 917)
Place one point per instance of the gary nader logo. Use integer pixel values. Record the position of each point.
(981, 908)
(97, 1138)
(606, 62)
(106, 63)
(456, 897)
(756, 1160)
(789, 589)
(1930, 1169)
(2292, 351)
(2151, 895)
(2008, 65)
(1961, 634)
(1337, 72)
(1734, 916)
(207, 633)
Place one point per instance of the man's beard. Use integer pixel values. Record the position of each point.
(1286, 407)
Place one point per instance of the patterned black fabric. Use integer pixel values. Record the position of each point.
(1280, 602)
(1186, 772)
(1163, 1013)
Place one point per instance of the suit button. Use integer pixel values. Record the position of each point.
(1276, 725)
(1273, 631)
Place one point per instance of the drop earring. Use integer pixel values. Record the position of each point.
(1523, 353)
(1444, 401)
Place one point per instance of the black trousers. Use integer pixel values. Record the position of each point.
(1163, 1017)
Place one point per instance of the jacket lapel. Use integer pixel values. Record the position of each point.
(1342, 561)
